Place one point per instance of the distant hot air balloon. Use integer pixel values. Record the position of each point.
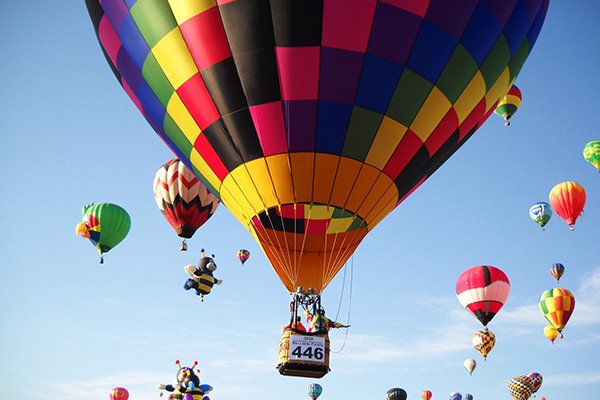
(313, 120)
(243, 255)
(105, 224)
(568, 200)
(557, 305)
(520, 387)
(557, 270)
(314, 390)
(551, 332)
(483, 341)
(455, 396)
(426, 395)
(183, 200)
(470, 365)
(482, 290)
(537, 380)
(540, 213)
(468, 396)
(396, 394)
(509, 104)
(119, 393)
(591, 153)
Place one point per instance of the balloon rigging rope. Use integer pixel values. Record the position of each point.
(349, 303)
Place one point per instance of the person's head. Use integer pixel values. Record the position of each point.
(298, 319)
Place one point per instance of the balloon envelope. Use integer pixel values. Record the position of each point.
(483, 341)
(243, 255)
(106, 225)
(509, 104)
(183, 200)
(470, 365)
(557, 305)
(426, 395)
(557, 270)
(119, 393)
(314, 390)
(520, 387)
(536, 379)
(568, 200)
(468, 396)
(396, 394)
(313, 120)
(591, 153)
(551, 332)
(482, 290)
(455, 396)
(540, 213)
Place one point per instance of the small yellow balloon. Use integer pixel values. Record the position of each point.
(551, 332)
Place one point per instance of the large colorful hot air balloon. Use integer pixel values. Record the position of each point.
(119, 393)
(591, 153)
(313, 120)
(184, 201)
(509, 104)
(314, 390)
(568, 200)
(396, 394)
(426, 395)
(482, 290)
(557, 305)
(105, 224)
(536, 379)
(483, 341)
(520, 387)
(557, 270)
(551, 332)
(243, 255)
(470, 365)
(540, 213)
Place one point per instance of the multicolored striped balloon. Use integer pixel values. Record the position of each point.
(568, 200)
(243, 255)
(509, 104)
(557, 270)
(591, 153)
(183, 199)
(313, 120)
(483, 290)
(557, 305)
(540, 213)
(520, 387)
(483, 341)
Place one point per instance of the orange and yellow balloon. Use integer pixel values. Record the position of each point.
(426, 394)
(567, 200)
(483, 341)
(551, 332)
(557, 306)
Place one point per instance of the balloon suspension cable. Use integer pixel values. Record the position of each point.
(183, 245)
(310, 301)
(349, 303)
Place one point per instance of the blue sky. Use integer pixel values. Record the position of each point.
(73, 329)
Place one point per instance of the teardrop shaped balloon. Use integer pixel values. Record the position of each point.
(568, 200)
(470, 365)
(119, 393)
(313, 120)
(455, 396)
(536, 379)
(483, 290)
(183, 200)
(509, 104)
(483, 341)
(314, 390)
(396, 394)
(540, 213)
(591, 153)
(426, 395)
(243, 255)
(557, 270)
(557, 305)
(551, 332)
(105, 224)
(520, 387)
(468, 396)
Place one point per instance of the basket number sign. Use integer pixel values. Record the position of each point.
(307, 348)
